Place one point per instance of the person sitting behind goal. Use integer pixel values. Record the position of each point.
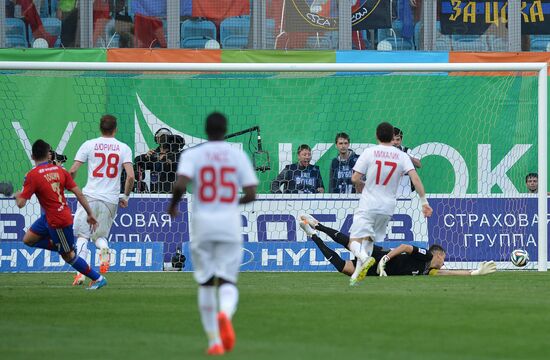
(300, 177)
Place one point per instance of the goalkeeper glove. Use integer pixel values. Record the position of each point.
(381, 269)
(486, 267)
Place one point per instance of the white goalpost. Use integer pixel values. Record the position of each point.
(220, 94)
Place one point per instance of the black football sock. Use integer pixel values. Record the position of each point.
(335, 235)
(329, 254)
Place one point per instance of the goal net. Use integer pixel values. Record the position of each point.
(475, 134)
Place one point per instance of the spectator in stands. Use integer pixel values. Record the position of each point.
(161, 162)
(101, 16)
(148, 25)
(405, 186)
(124, 24)
(32, 18)
(67, 12)
(341, 167)
(532, 182)
(299, 178)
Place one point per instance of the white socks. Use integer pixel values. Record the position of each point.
(228, 295)
(101, 244)
(208, 308)
(82, 248)
(356, 247)
(366, 247)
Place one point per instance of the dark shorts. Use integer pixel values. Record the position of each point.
(63, 238)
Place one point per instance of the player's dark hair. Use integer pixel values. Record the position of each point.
(384, 132)
(303, 147)
(531, 175)
(342, 135)
(397, 132)
(216, 126)
(436, 248)
(40, 150)
(107, 124)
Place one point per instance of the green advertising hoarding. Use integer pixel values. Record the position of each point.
(475, 135)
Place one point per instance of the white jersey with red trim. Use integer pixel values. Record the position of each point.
(217, 171)
(383, 165)
(105, 157)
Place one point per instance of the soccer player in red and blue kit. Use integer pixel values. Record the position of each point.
(54, 229)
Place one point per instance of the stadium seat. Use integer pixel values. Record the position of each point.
(16, 41)
(497, 43)
(270, 33)
(53, 26)
(394, 37)
(15, 26)
(469, 43)
(195, 33)
(320, 41)
(234, 32)
(539, 42)
(45, 9)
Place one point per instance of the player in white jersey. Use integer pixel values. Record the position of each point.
(382, 166)
(217, 171)
(106, 157)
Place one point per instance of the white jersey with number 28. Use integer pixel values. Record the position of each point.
(383, 165)
(105, 157)
(217, 171)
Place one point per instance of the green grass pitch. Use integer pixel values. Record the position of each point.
(280, 316)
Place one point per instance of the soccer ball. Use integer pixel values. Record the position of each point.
(519, 257)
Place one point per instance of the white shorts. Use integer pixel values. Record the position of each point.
(104, 213)
(216, 258)
(371, 225)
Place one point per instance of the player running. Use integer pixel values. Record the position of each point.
(383, 165)
(106, 157)
(403, 260)
(217, 171)
(54, 229)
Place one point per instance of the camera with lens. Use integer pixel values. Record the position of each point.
(171, 143)
(56, 158)
(178, 260)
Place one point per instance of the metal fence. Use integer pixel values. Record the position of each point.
(444, 25)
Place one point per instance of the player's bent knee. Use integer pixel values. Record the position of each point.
(348, 269)
(68, 256)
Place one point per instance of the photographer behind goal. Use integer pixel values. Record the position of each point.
(161, 163)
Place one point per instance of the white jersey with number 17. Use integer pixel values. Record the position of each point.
(383, 165)
(105, 157)
(217, 172)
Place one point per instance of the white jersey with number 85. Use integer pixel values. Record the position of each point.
(217, 171)
(105, 157)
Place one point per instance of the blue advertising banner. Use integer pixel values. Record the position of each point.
(288, 255)
(484, 228)
(17, 257)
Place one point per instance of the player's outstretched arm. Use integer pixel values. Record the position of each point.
(426, 208)
(128, 185)
(74, 169)
(249, 194)
(485, 268)
(177, 193)
(84, 202)
(357, 180)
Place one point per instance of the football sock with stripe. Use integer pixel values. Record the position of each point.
(329, 254)
(80, 265)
